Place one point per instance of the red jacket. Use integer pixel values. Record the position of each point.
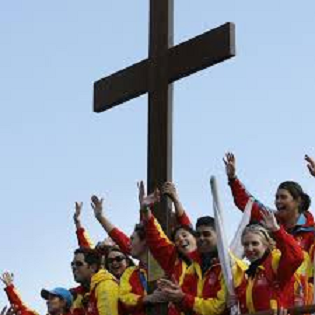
(164, 251)
(78, 293)
(16, 301)
(272, 286)
(303, 232)
(119, 237)
(132, 290)
(204, 293)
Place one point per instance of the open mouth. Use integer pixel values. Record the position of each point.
(281, 208)
(185, 245)
(116, 267)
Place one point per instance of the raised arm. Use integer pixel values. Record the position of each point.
(310, 165)
(240, 194)
(119, 237)
(82, 236)
(182, 218)
(14, 297)
(291, 256)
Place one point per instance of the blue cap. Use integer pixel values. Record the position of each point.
(60, 292)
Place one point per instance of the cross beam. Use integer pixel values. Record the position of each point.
(166, 64)
(196, 54)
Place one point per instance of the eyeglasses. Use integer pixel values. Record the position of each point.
(203, 233)
(77, 264)
(117, 259)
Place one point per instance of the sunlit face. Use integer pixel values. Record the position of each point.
(254, 246)
(82, 272)
(138, 246)
(185, 242)
(55, 304)
(286, 205)
(206, 239)
(117, 263)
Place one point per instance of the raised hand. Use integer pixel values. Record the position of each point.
(270, 221)
(150, 200)
(7, 278)
(310, 165)
(97, 205)
(169, 189)
(230, 167)
(141, 190)
(77, 213)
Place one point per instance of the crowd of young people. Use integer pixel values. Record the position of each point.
(274, 273)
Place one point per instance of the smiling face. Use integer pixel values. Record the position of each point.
(206, 239)
(117, 263)
(287, 206)
(185, 242)
(254, 245)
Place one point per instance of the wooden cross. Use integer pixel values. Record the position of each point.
(155, 75)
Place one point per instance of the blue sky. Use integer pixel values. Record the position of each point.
(55, 150)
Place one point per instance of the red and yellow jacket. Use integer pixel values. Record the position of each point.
(303, 232)
(16, 301)
(78, 294)
(272, 285)
(83, 238)
(164, 251)
(103, 296)
(132, 290)
(119, 237)
(204, 294)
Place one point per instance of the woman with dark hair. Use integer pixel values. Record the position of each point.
(116, 262)
(267, 283)
(174, 256)
(292, 213)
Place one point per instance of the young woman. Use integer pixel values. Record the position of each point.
(268, 281)
(174, 256)
(116, 262)
(292, 213)
(117, 255)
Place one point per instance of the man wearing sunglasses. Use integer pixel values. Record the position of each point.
(98, 293)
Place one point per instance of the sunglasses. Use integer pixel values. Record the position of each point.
(204, 234)
(117, 259)
(77, 264)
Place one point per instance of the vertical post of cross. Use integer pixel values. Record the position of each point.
(160, 115)
(160, 110)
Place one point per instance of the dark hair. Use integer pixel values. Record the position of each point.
(187, 228)
(297, 192)
(207, 221)
(91, 256)
(140, 230)
(115, 248)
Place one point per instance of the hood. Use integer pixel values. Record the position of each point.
(102, 275)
